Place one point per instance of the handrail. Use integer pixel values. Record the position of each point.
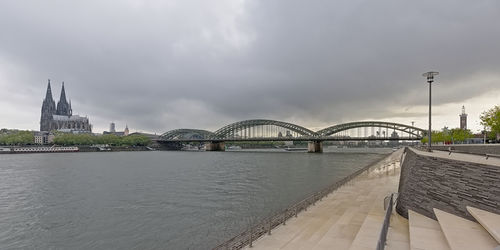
(385, 227)
(453, 150)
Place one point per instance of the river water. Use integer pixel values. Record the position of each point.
(154, 200)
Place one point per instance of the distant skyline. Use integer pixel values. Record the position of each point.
(161, 65)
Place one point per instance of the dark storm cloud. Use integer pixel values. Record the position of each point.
(161, 65)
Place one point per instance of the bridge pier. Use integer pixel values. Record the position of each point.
(315, 147)
(215, 146)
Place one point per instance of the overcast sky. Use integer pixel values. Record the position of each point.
(160, 65)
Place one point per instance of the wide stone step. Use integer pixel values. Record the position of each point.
(398, 236)
(368, 234)
(490, 221)
(425, 233)
(464, 234)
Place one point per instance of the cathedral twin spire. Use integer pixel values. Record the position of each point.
(48, 95)
(63, 107)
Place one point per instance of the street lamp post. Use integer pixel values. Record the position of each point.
(484, 135)
(430, 78)
(413, 125)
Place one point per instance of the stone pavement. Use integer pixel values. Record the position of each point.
(349, 218)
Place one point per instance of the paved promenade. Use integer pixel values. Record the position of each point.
(349, 218)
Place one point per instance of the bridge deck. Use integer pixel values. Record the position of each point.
(296, 139)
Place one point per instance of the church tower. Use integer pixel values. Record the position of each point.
(48, 109)
(126, 132)
(463, 119)
(63, 107)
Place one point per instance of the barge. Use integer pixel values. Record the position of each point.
(53, 149)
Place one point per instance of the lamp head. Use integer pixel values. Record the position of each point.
(430, 75)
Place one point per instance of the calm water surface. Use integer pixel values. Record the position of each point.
(154, 200)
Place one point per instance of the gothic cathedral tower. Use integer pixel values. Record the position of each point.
(48, 109)
(63, 107)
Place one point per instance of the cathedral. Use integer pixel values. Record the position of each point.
(61, 117)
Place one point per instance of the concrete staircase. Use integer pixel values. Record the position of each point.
(423, 233)
(453, 232)
(490, 221)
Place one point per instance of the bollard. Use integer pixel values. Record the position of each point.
(295, 211)
(269, 231)
(284, 218)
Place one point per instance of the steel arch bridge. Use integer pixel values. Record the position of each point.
(231, 130)
(267, 130)
(189, 134)
(411, 130)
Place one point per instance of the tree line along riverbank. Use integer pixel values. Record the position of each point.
(22, 138)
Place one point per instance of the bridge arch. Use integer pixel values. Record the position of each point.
(184, 133)
(231, 130)
(417, 132)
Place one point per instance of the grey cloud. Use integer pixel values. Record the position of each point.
(203, 64)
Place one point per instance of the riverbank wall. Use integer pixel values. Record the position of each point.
(448, 182)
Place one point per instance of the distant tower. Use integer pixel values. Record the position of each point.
(48, 109)
(125, 133)
(112, 127)
(63, 107)
(463, 119)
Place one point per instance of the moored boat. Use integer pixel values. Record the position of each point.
(52, 149)
(5, 150)
(295, 149)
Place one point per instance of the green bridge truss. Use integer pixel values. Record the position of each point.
(231, 130)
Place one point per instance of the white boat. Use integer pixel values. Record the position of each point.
(104, 148)
(234, 147)
(5, 150)
(190, 147)
(295, 149)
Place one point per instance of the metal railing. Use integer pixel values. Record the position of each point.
(453, 150)
(492, 155)
(387, 220)
(266, 225)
